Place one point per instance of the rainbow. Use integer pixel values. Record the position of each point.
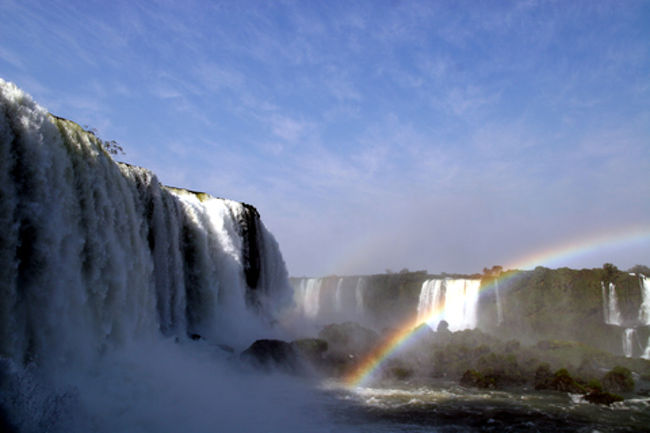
(558, 253)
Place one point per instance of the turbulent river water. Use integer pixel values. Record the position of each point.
(447, 407)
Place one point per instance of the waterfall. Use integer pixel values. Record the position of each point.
(628, 337)
(358, 295)
(644, 309)
(498, 300)
(330, 299)
(308, 296)
(646, 352)
(452, 300)
(104, 273)
(430, 300)
(95, 252)
(338, 296)
(611, 312)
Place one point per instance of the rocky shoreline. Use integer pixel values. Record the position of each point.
(470, 358)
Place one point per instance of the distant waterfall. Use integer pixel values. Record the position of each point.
(330, 299)
(646, 352)
(358, 294)
(431, 299)
(338, 296)
(644, 309)
(498, 299)
(308, 296)
(628, 341)
(452, 300)
(611, 312)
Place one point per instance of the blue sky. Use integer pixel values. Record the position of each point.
(371, 135)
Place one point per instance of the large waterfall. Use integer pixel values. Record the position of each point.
(452, 300)
(97, 257)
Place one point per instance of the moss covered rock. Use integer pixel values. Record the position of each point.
(560, 381)
(602, 397)
(618, 379)
(474, 379)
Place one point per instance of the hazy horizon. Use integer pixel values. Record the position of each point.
(446, 136)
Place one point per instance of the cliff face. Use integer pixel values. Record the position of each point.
(600, 307)
(570, 305)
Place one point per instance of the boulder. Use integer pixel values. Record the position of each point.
(602, 397)
(543, 377)
(618, 379)
(349, 338)
(272, 354)
(310, 349)
(474, 379)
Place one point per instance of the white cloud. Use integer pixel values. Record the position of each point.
(467, 99)
(287, 128)
(11, 58)
(215, 77)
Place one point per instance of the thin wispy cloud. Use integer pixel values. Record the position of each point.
(370, 135)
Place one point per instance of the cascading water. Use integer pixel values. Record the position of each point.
(628, 339)
(646, 352)
(431, 299)
(644, 309)
(338, 297)
(452, 300)
(328, 300)
(358, 295)
(307, 297)
(498, 300)
(611, 312)
(99, 262)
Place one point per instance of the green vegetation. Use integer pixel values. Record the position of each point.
(112, 146)
(619, 379)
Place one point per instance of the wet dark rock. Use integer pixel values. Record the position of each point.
(443, 326)
(310, 349)
(248, 225)
(543, 377)
(349, 338)
(602, 397)
(272, 355)
(226, 348)
(338, 364)
(400, 373)
(5, 425)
